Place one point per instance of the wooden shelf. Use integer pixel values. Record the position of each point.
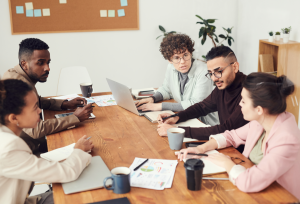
(286, 58)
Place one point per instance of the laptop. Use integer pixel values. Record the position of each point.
(123, 97)
(91, 177)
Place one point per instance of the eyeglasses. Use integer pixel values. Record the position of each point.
(217, 74)
(177, 59)
(237, 160)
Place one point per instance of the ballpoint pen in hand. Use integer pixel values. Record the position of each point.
(171, 116)
(196, 154)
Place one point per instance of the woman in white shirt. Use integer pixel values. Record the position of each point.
(18, 166)
(185, 80)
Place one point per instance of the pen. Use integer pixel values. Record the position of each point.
(83, 106)
(136, 168)
(88, 138)
(171, 116)
(196, 154)
(210, 178)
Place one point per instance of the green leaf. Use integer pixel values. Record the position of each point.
(202, 30)
(229, 42)
(224, 29)
(162, 28)
(216, 38)
(200, 22)
(231, 39)
(211, 20)
(222, 36)
(203, 56)
(199, 17)
(205, 22)
(158, 37)
(171, 32)
(203, 39)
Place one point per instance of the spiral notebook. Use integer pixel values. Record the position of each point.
(152, 116)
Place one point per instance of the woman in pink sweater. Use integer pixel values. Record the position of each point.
(271, 138)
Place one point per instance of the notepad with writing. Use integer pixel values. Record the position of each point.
(209, 167)
(152, 116)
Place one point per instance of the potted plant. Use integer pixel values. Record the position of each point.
(271, 37)
(208, 30)
(286, 34)
(165, 33)
(277, 36)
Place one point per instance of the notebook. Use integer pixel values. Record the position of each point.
(114, 201)
(209, 167)
(152, 116)
(91, 177)
(59, 154)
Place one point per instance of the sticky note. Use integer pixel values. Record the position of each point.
(37, 12)
(121, 12)
(124, 3)
(19, 9)
(111, 13)
(62, 1)
(29, 13)
(29, 6)
(46, 12)
(103, 13)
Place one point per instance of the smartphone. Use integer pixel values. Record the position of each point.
(193, 144)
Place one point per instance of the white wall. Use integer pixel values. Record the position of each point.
(130, 57)
(255, 19)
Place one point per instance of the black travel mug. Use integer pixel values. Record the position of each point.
(194, 171)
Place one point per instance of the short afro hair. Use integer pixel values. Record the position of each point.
(28, 45)
(220, 51)
(176, 44)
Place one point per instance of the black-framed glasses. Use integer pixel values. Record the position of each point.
(177, 59)
(217, 74)
(237, 160)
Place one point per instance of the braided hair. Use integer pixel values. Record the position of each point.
(12, 94)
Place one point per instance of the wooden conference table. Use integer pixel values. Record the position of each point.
(119, 136)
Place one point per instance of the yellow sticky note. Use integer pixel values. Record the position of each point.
(111, 13)
(46, 12)
(103, 13)
(29, 6)
(62, 1)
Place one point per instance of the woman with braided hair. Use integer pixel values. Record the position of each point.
(18, 166)
(271, 138)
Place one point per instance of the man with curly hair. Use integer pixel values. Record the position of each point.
(223, 70)
(184, 81)
(33, 67)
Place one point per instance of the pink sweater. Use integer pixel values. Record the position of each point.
(281, 161)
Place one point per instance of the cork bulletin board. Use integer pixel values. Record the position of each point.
(58, 16)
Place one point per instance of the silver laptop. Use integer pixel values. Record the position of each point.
(123, 97)
(91, 178)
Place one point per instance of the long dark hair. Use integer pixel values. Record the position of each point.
(12, 94)
(269, 91)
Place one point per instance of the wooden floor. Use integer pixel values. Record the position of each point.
(120, 136)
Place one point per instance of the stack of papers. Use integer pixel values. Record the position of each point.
(72, 96)
(155, 174)
(105, 100)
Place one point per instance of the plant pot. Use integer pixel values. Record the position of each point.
(286, 38)
(271, 38)
(277, 37)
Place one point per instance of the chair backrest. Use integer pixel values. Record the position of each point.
(70, 79)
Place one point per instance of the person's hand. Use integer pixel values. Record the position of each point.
(73, 103)
(221, 160)
(172, 120)
(143, 101)
(84, 144)
(150, 107)
(162, 129)
(83, 113)
(195, 150)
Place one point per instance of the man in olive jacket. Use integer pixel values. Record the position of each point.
(34, 60)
